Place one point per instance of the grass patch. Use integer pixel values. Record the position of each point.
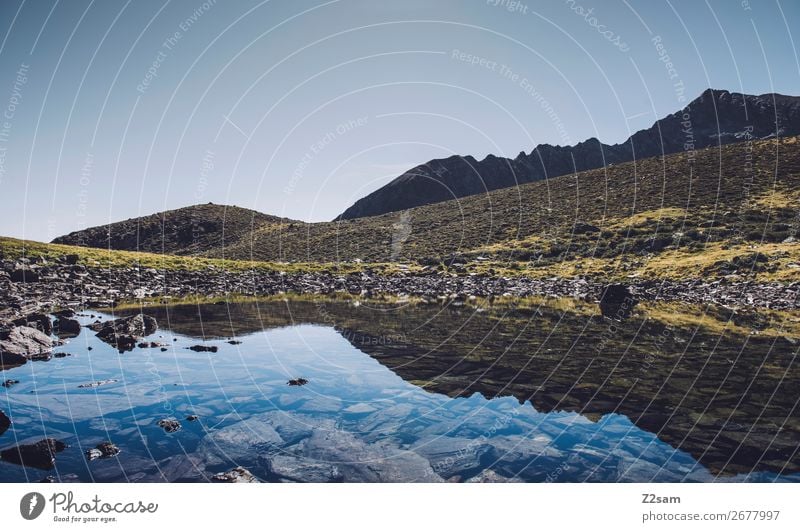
(13, 249)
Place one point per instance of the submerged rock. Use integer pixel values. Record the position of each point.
(96, 384)
(41, 455)
(617, 302)
(489, 476)
(360, 461)
(235, 475)
(295, 469)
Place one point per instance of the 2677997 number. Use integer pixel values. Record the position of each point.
(753, 515)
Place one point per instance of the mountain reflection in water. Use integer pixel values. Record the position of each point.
(420, 393)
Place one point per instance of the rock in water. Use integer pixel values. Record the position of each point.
(170, 425)
(204, 348)
(102, 450)
(617, 302)
(68, 327)
(97, 384)
(21, 344)
(41, 455)
(93, 454)
(4, 422)
(125, 332)
(235, 475)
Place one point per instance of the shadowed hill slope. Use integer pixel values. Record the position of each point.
(190, 230)
(716, 117)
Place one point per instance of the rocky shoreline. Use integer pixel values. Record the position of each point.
(27, 287)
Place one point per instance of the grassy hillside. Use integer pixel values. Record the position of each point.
(191, 230)
(726, 205)
(729, 211)
(13, 249)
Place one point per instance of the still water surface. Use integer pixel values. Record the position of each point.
(411, 394)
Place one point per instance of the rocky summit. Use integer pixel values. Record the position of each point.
(716, 117)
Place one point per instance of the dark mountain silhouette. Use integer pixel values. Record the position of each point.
(716, 117)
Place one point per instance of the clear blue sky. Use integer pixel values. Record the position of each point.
(298, 108)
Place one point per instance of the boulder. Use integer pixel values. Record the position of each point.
(24, 275)
(36, 321)
(235, 475)
(68, 327)
(41, 455)
(4, 422)
(617, 302)
(170, 425)
(204, 348)
(102, 450)
(22, 343)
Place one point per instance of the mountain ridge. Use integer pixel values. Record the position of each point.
(716, 117)
(668, 213)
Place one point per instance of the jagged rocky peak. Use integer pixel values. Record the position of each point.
(714, 117)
